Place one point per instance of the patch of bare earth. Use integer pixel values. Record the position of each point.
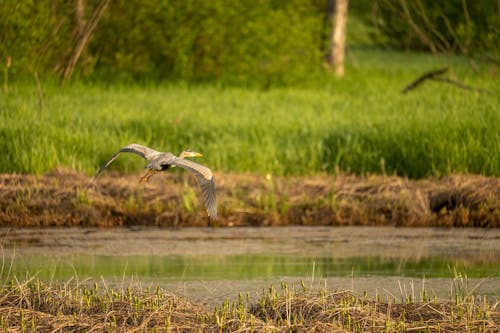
(67, 198)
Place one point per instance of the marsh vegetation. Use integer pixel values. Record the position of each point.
(244, 83)
(250, 279)
(28, 306)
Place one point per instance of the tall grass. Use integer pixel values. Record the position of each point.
(360, 124)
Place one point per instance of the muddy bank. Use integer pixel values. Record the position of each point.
(66, 198)
(467, 244)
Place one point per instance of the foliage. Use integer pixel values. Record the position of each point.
(200, 40)
(467, 27)
(258, 43)
(34, 34)
(262, 42)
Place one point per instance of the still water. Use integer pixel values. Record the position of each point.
(221, 262)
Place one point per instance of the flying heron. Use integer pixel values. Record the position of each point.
(160, 161)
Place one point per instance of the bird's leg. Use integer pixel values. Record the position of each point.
(150, 173)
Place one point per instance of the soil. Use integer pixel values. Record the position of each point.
(466, 244)
(67, 198)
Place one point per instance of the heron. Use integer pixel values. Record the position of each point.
(161, 161)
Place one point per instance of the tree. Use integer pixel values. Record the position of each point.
(337, 46)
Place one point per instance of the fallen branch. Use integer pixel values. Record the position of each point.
(461, 85)
(437, 76)
(424, 77)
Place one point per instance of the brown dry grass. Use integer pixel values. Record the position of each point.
(32, 306)
(66, 198)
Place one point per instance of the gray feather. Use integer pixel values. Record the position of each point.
(158, 160)
(206, 180)
(142, 151)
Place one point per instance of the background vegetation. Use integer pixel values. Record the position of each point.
(243, 83)
(467, 27)
(249, 42)
(360, 124)
(223, 40)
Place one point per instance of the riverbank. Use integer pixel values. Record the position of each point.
(34, 306)
(66, 198)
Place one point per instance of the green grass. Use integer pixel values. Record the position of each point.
(360, 124)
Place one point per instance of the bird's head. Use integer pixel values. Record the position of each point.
(189, 153)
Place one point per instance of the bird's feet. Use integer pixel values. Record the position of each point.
(148, 175)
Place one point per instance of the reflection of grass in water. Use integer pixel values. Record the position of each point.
(246, 267)
(32, 305)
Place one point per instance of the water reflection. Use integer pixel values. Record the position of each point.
(212, 264)
(245, 267)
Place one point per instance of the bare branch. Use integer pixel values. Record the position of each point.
(436, 75)
(83, 40)
(419, 32)
(421, 11)
(424, 77)
(452, 32)
(461, 85)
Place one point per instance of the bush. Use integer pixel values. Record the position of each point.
(264, 42)
(466, 27)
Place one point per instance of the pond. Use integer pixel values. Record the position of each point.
(210, 264)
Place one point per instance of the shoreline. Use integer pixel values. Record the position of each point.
(65, 198)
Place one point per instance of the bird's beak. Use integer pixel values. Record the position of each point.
(195, 154)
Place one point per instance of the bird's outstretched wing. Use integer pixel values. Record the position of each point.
(142, 151)
(206, 180)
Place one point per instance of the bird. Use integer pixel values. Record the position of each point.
(161, 161)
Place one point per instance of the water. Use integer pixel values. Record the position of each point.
(215, 263)
(245, 267)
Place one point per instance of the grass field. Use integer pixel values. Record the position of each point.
(361, 124)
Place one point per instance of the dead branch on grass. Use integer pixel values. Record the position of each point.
(422, 78)
(436, 75)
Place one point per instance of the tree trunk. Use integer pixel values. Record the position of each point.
(337, 50)
(80, 17)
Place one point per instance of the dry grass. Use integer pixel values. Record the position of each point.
(66, 198)
(33, 306)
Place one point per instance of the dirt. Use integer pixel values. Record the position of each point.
(67, 198)
(467, 244)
